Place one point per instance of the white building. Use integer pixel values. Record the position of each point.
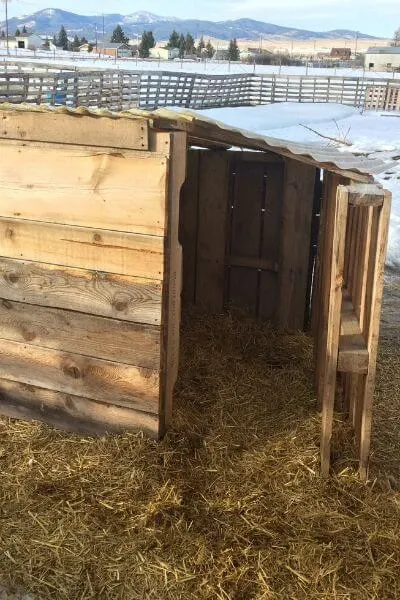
(28, 41)
(385, 58)
(164, 53)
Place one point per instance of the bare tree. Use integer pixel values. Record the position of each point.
(396, 38)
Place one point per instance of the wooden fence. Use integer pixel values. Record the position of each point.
(121, 89)
(383, 97)
(347, 305)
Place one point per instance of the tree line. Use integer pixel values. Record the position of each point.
(185, 44)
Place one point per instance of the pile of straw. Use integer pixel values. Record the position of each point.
(228, 506)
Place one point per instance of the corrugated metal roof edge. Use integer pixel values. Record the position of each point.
(194, 122)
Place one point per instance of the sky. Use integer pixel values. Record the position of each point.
(377, 17)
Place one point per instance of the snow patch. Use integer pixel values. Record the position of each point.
(373, 134)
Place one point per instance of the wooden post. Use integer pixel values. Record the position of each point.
(335, 244)
(375, 281)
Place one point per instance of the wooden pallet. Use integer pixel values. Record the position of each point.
(347, 308)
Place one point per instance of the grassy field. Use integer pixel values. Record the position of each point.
(229, 505)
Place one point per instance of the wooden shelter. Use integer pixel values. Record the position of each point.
(108, 221)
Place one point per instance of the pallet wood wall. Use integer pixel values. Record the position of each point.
(347, 306)
(88, 246)
(245, 230)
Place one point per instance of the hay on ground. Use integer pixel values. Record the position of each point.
(228, 506)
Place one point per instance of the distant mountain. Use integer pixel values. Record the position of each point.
(49, 21)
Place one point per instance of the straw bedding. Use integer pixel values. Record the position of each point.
(228, 506)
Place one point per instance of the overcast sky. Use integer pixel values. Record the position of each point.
(377, 17)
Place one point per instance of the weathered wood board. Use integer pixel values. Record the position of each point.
(89, 324)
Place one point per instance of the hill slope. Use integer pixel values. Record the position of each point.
(49, 21)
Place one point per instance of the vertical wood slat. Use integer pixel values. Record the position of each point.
(335, 241)
(214, 175)
(188, 222)
(271, 244)
(298, 199)
(246, 231)
(173, 276)
(372, 318)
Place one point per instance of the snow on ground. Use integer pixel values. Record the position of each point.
(212, 67)
(374, 134)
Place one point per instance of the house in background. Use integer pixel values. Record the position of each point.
(114, 50)
(383, 58)
(164, 53)
(340, 54)
(28, 41)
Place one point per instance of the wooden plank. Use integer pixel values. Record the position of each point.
(353, 354)
(271, 240)
(173, 279)
(212, 227)
(297, 207)
(263, 264)
(335, 240)
(72, 373)
(246, 233)
(188, 215)
(375, 284)
(72, 413)
(118, 191)
(365, 194)
(115, 252)
(74, 128)
(105, 294)
(66, 330)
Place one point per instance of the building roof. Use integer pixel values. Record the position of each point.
(207, 132)
(112, 45)
(384, 50)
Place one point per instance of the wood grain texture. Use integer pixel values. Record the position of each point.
(188, 216)
(69, 331)
(374, 287)
(271, 240)
(121, 253)
(72, 413)
(104, 294)
(106, 381)
(297, 209)
(246, 232)
(212, 227)
(173, 280)
(74, 129)
(334, 246)
(118, 191)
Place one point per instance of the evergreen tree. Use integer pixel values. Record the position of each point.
(83, 40)
(181, 46)
(24, 30)
(75, 44)
(63, 39)
(90, 48)
(146, 43)
(55, 41)
(2, 34)
(47, 43)
(190, 47)
(233, 50)
(200, 47)
(173, 41)
(210, 50)
(17, 32)
(118, 36)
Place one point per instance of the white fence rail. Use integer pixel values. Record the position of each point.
(122, 89)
